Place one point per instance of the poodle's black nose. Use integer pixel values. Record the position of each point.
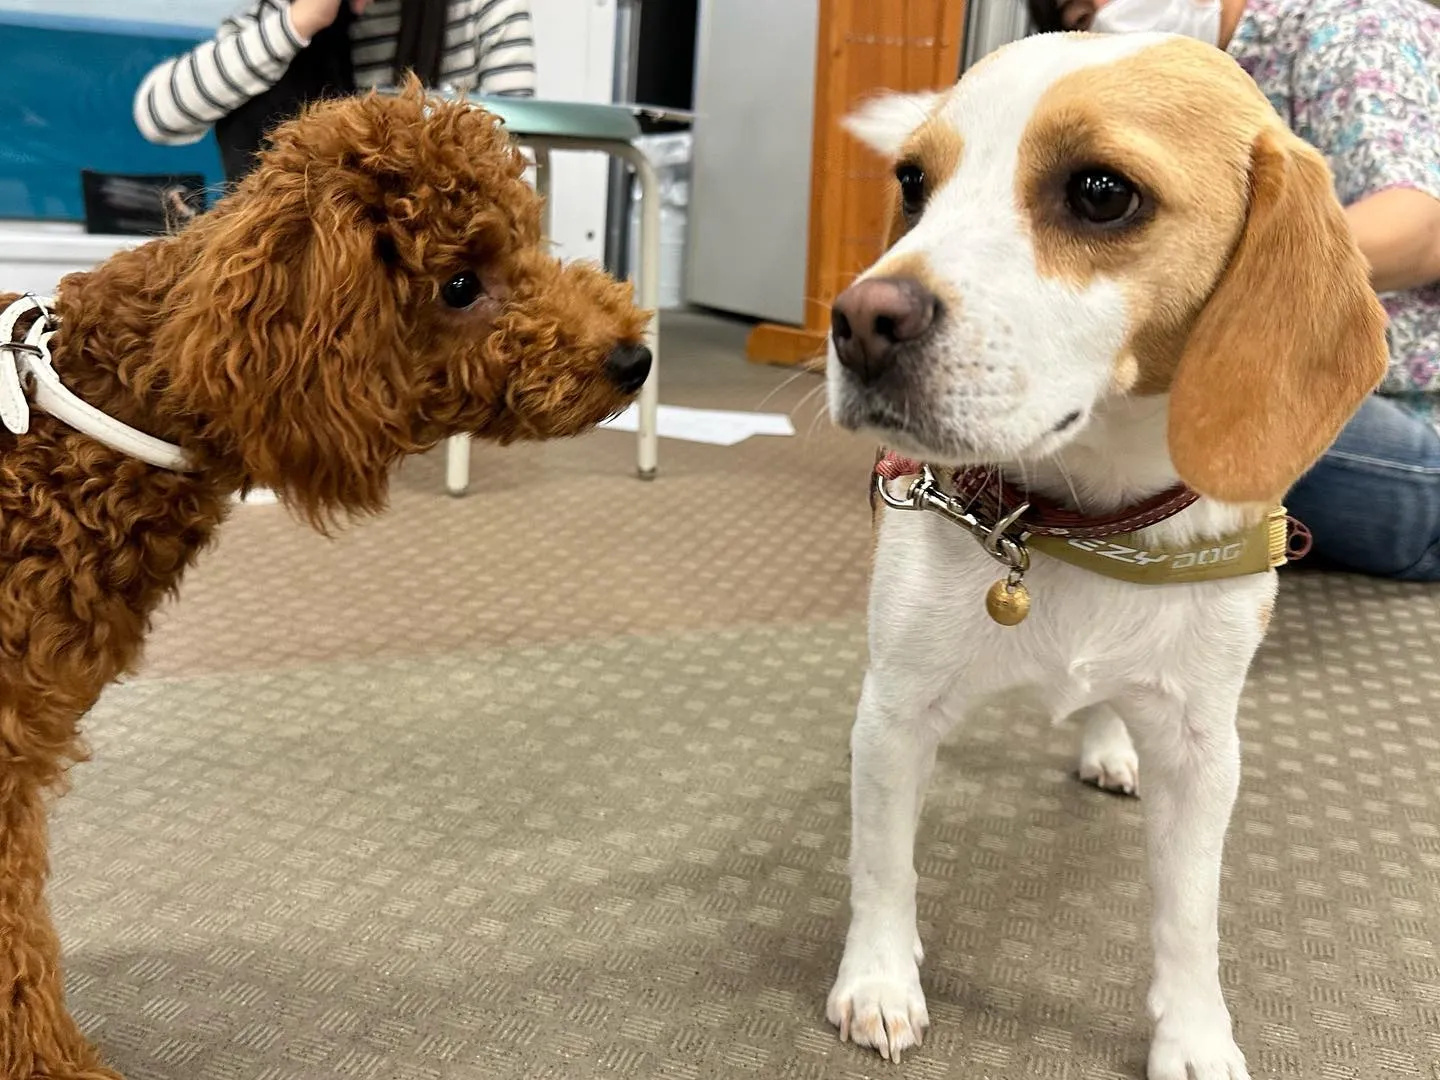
(628, 367)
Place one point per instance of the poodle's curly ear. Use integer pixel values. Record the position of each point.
(286, 335)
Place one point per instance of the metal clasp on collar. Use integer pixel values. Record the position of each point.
(1007, 601)
(925, 494)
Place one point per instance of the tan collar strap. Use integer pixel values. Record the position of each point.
(1129, 557)
(1112, 545)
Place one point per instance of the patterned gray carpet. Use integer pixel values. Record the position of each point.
(551, 782)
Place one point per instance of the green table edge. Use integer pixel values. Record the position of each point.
(563, 119)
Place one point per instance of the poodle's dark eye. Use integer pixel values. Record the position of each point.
(463, 289)
(912, 190)
(1101, 197)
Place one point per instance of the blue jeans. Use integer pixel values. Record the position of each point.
(1373, 501)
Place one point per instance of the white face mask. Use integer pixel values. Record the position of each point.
(1200, 20)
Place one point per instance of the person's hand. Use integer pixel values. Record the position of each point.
(309, 17)
(1398, 232)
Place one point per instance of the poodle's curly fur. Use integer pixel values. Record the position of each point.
(297, 337)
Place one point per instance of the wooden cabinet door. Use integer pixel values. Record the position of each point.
(865, 46)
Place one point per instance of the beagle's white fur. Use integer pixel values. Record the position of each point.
(1220, 335)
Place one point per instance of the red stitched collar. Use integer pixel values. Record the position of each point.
(983, 488)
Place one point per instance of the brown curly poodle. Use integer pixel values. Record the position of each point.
(378, 284)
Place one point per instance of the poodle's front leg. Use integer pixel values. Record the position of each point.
(1190, 754)
(876, 1000)
(38, 1036)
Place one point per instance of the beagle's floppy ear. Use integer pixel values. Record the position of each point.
(1289, 344)
(885, 121)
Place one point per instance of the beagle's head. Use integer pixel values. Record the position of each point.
(1085, 218)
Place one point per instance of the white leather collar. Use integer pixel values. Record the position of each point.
(27, 378)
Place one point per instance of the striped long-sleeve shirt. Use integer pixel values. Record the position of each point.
(488, 47)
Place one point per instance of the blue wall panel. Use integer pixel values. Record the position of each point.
(67, 85)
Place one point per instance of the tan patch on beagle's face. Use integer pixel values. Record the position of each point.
(1131, 127)
(926, 162)
(1100, 201)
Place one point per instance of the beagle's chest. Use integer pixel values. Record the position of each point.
(1087, 637)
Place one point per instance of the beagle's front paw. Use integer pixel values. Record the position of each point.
(877, 1001)
(1107, 756)
(1191, 1048)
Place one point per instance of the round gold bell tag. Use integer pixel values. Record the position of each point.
(1008, 602)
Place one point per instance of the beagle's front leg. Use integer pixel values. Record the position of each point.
(876, 1000)
(1189, 753)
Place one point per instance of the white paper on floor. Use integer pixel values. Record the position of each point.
(718, 427)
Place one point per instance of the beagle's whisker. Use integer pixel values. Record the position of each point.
(803, 403)
(1069, 484)
(788, 382)
(821, 413)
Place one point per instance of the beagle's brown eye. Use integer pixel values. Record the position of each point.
(912, 190)
(1101, 197)
(463, 289)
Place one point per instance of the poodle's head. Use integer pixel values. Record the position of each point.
(378, 283)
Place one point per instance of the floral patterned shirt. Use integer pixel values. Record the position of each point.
(1360, 81)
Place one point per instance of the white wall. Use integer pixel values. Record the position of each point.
(750, 186)
(575, 61)
(35, 255)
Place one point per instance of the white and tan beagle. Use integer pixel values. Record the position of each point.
(1119, 282)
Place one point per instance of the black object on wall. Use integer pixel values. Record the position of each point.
(146, 205)
(665, 72)
(661, 72)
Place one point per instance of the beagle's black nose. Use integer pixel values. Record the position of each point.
(628, 367)
(873, 318)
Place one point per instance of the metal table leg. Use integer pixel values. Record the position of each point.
(647, 277)
(457, 461)
(648, 282)
(457, 464)
(457, 447)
